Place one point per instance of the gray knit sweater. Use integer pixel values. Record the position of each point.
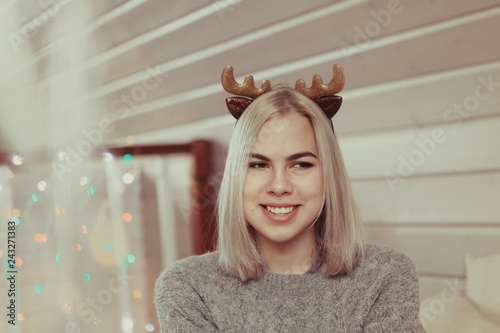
(380, 295)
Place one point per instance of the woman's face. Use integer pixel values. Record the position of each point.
(283, 190)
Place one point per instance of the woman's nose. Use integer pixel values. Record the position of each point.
(279, 184)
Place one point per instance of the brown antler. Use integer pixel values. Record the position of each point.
(247, 89)
(318, 89)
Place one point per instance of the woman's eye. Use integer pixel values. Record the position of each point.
(302, 165)
(257, 165)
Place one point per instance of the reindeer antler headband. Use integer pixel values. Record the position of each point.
(323, 94)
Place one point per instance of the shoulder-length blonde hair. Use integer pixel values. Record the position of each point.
(338, 229)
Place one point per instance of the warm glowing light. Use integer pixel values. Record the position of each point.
(19, 262)
(35, 197)
(17, 159)
(20, 317)
(38, 288)
(84, 229)
(137, 294)
(127, 158)
(41, 238)
(127, 217)
(128, 178)
(108, 157)
(150, 327)
(130, 258)
(16, 212)
(78, 247)
(130, 139)
(42, 185)
(10, 174)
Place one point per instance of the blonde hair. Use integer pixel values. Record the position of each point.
(338, 229)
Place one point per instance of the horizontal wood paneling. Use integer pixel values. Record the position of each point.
(459, 199)
(438, 250)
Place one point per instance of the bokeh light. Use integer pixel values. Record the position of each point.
(137, 294)
(150, 327)
(10, 174)
(84, 229)
(20, 317)
(128, 178)
(58, 258)
(42, 185)
(17, 159)
(106, 247)
(35, 197)
(130, 139)
(90, 191)
(127, 158)
(16, 212)
(78, 247)
(1, 253)
(19, 262)
(127, 323)
(41, 238)
(38, 288)
(84, 181)
(130, 258)
(108, 157)
(86, 277)
(127, 217)
(16, 220)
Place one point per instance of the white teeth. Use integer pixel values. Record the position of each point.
(280, 210)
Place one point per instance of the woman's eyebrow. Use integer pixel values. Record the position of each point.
(288, 158)
(300, 155)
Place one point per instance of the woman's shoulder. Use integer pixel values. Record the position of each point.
(197, 264)
(380, 257)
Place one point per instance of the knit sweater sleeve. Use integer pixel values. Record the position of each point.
(179, 305)
(396, 308)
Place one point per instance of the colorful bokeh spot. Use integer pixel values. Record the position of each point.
(42, 185)
(130, 258)
(41, 238)
(58, 257)
(16, 220)
(78, 247)
(38, 288)
(127, 217)
(35, 197)
(150, 327)
(137, 294)
(86, 277)
(84, 229)
(127, 158)
(16, 212)
(90, 191)
(106, 247)
(20, 317)
(19, 262)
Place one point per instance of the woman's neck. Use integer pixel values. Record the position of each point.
(293, 257)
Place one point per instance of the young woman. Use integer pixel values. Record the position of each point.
(290, 255)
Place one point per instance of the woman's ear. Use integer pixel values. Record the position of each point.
(236, 105)
(329, 104)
